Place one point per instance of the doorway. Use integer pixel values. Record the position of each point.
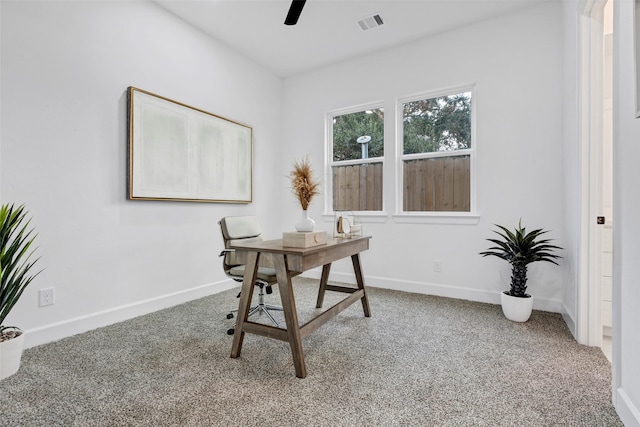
(594, 326)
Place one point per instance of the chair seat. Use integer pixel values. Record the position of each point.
(264, 273)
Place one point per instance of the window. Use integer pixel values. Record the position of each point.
(356, 150)
(436, 152)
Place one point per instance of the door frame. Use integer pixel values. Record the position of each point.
(591, 105)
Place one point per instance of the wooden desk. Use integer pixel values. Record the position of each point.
(286, 260)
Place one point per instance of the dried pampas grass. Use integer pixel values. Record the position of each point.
(303, 184)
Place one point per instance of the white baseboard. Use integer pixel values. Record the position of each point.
(490, 297)
(571, 324)
(67, 328)
(627, 411)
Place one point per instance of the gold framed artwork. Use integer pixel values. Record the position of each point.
(181, 153)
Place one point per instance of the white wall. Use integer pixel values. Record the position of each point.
(515, 63)
(65, 70)
(626, 228)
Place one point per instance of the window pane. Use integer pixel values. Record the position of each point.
(440, 184)
(357, 187)
(437, 124)
(347, 128)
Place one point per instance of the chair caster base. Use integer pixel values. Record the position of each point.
(230, 316)
(230, 331)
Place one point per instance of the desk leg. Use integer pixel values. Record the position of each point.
(250, 274)
(290, 314)
(323, 284)
(357, 268)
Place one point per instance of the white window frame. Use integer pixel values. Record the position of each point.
(329, 163)
(439, 217)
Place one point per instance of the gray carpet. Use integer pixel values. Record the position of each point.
(418, 361)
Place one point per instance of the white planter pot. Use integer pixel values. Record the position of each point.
(10, 355)
(515, 308)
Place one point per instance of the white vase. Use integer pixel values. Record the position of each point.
(515, 308)
(305, 224)
(10, 355)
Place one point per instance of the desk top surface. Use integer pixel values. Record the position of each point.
(275, 246)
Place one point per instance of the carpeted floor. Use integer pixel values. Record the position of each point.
(418, 361)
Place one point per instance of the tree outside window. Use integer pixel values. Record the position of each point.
(436, 148)
(347, 128)
(356, 167)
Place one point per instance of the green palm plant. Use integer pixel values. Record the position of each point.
(15, 264)
(521, 249)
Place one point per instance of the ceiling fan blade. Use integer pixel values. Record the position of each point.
(294, 12)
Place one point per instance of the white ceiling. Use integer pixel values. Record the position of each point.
(327, 31)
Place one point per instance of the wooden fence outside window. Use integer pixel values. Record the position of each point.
(441, 184)
(357, 187)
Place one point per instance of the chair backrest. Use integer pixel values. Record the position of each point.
(238, 229)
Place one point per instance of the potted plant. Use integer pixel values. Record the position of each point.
(305, 187)
(520, 249)
(15, 265)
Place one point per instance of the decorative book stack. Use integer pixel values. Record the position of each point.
(304, 239)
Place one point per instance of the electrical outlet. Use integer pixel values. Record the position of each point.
(437, 266)
(46, 297)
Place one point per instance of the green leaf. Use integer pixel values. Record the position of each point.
(16, 242)
(520, 248)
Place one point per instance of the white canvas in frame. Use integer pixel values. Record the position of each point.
(177, 152)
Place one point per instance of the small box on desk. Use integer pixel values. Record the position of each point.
(304, 239)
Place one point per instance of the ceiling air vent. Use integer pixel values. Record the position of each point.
(369, 22)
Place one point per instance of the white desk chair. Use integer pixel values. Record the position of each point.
(237, 229)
